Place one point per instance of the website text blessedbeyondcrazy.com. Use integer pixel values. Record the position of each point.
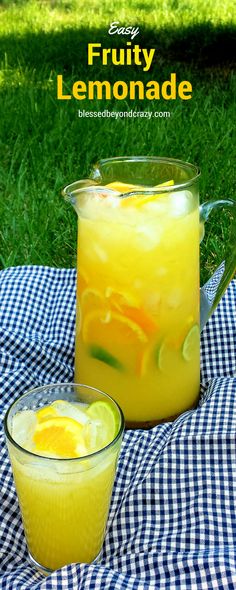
(123, 114)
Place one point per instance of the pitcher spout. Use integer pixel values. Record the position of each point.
(73, 192)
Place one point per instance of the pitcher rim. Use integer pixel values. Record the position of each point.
(149, 190)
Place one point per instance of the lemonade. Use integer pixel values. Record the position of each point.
(63, 478)
(137, 333)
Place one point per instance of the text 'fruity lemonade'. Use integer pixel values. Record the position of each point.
(137, 333)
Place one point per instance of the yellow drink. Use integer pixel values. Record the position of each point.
(137, 332)
(64, 456)
(64, 510)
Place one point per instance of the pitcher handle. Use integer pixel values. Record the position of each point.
(212, 291)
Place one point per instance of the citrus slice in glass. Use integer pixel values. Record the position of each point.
(46, 413)
(165, 356)
(91, 299)
(101, 354)
(118, 299)
(104, 417)
(119, 336)
(58, 437)
(130, 306)
(140, 201)
(191, 344)
(141, 318)
(82, 280)
(146, 361)
(123, 187)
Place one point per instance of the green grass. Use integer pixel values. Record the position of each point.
(45, 145)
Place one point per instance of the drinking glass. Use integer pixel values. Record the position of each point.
(64, 502)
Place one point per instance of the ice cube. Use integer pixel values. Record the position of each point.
(22, 428)
(174, 298)
(69, 410)
(148, 236)
(152, 301)
(161, 271)
(100, 253)
(180, 203)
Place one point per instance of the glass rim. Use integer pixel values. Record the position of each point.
(66, 190)
(61, 459)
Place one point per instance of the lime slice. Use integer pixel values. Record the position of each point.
(109, 333)
(101, 354)
(191, 343)
(165, 356)
(105, 418)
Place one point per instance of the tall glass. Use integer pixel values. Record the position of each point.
(137, 327)
(64, 502)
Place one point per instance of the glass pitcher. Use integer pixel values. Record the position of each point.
(138, 317)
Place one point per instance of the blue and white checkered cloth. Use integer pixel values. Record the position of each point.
(172, 522)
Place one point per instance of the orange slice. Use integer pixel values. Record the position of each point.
(119, 299)
(129, 305)
(115, 320)
(140, 317)
(144, 361)
(121, 338)
(58, 436)
(123, 302)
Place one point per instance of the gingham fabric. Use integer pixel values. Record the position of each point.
(172, 522)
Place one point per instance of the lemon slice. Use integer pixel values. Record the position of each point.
(46, 413)
(106, 419)
(58, 437)
(140, 201)
(123, 187)
(91, 298)
(119, 299)
(191, 343)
